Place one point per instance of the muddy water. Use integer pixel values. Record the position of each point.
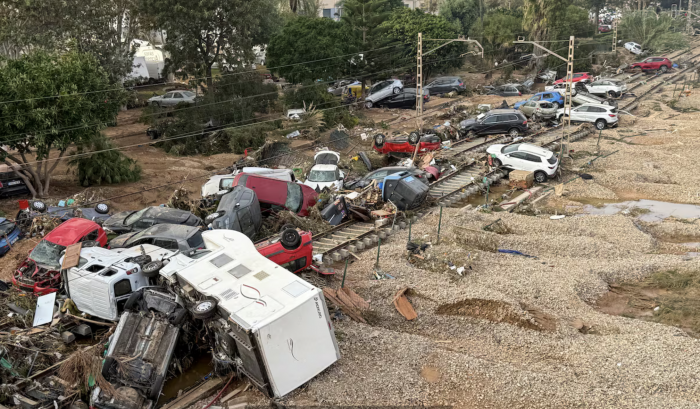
(647, 210)
(200, 368)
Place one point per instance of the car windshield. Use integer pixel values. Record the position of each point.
(295, 197)
(322, 176)
(510, 148)
(136, 236)
(134, 217)
(6, 227)
(47, 253)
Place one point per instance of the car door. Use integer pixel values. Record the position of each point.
(166, 99)
(516, 160)
(528, 108)
(532, 162)
(578, 114)
(176, 99)
(489, 125)
(122, 291)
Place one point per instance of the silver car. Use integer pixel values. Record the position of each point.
(171, 237)
(172, 98)
(538, 109)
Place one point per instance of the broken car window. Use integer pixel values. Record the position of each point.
(322, 176)
(294, 197)
(47, 253)
(132, 218)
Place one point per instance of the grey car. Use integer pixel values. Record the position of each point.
(509, 90)
(124, 222)
(539, 109)
(171, 237)
(172, 98)
(238, 210)
(444, 85)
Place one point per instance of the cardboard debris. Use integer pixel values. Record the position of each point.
(521, 179)
(403, 306)
(72, 256)
(44, 309)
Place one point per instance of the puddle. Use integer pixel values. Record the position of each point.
(499, 311)
(495, 194)
(200, 368)
(647, 210)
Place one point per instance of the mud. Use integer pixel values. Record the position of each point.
(501, 312)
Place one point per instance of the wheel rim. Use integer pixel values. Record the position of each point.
(540, 178)
(102, 207)
(288, 237)
(514, 132)
(379, 140)
(39, 205)
(204, 306)
(600, 125)
(368, 104)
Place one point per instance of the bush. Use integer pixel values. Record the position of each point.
(107, 167)
(304, 96)
(333, 117)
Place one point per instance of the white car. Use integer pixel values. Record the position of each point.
(607, 87)
(325, 172)
(218, 183)
(601, 115)
(170, 99)
(523, 156)
(634, 48)
(382, 90)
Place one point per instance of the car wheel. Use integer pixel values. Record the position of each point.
(291, 239)
(556, 105)
(366, 160)
(600, 124)
(133, 301)
(663, 68)
(39, 206)
(368, 104)
(106, 366)
(497, 163)
(514, 132)
(287, 226)
(204, 309)
(396, 90)
(611, 94)
(413, 138)
(379, 140)
(102, 208)
(151, 269)
(540, 177)
(471, 135)
(155, 104)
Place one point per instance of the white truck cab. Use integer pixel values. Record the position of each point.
(104, 279)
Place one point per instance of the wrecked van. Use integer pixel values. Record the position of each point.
(218, 183)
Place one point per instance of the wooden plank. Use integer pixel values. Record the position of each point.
(403, 306)
(200, 392)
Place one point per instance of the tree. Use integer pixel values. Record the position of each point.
(462, 13)
(501, 27)
(311, 39)
(403, 27)
(36, 123)
(539, 16)
(213, 32)
(596, 5)
(652, 31)
(106, 166)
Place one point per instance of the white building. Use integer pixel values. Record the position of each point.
(330, 9)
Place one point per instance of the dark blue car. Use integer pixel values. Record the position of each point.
(550, 96)
(9, 234)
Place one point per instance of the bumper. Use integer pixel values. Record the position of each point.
(28, 285)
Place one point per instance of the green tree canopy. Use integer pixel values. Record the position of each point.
(652, 31)
(106, 166)
(311, 39)
(38, 125)
(501, 28)
(463, 13)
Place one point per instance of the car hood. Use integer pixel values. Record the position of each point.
(495, 149)
(467, 123)
(318, 186)
(120, 241)
(116, 222)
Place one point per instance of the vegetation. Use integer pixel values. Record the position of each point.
(679, 306)
(652, 31)
(42, 129)
(501, 28)
(462, 13)
(105, 166)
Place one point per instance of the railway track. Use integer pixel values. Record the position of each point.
(469, 179)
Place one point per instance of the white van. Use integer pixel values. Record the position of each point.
(218, 183)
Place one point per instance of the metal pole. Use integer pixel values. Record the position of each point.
(410, 223)
(600, 135)
(567, 102)
(419, 82)
(674, 90)
(439, 226)
(614, 39)
(689, 23)
(344, 273)
(379, 246)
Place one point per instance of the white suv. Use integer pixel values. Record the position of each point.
(607, 87)
(523, 156)
(599, 114)
(382, 90)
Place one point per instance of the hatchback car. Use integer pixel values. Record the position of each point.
(238, 210)
(171, 237)
(381, 173)
(403, 145)
(275, 194)
(554, 97)
(443, 85)
(40, 272)
(381, 90)
(170, 99)
(9, 234)
(404, 99)
(523, 156)
(124, 222)
(292, 249)
(539, 109)
(496, 121)
(634, 48)
(653, 64)
(601, 115)
(325, 172)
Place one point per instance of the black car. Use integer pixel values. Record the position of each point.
(171, 237)
(381, 173)
(238, 210)
(496, 121)
(125, 222)
(11, 184)
(444, 85)
(404, 99)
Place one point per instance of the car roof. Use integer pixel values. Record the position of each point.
(324, 167)
(168, 214)
(526, 147)
(70, 231)
(448, 77)
(590, 104)
(504, 111)
(169, 231)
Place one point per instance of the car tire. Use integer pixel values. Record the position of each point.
(497, 163)
(540, 177)
(369, 104)
(471, 135)
(663, 69)
(155, 104)
(106, 366)
(600, 124)
(290, 239)
(513, 132)
(156, 387)
(365, 160)
(90, 243)
(140, 260)
(413, 138)
(151, 269)
(396, 90)
(379, 140)
(204, 309)
(287, 226)
(133, 301)
(556, 105)
(102, 208)
(38, 206)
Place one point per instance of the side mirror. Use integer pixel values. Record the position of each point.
(209, 219)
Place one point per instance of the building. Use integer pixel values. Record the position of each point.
(330, 9)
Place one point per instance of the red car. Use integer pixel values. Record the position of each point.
(40, 272)
(402, 145)
(291, 250)
(653, 64)
(578, 77)
(278, 194)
